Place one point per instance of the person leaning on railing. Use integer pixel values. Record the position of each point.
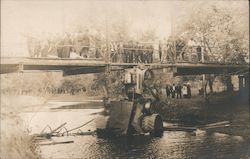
(67, 45)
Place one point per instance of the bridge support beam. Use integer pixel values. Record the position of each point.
(204, 86)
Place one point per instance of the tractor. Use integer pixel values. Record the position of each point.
(136, 114)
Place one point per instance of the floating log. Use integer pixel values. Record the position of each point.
(217, 123)
(204, 127)
(86, 133)
(178, 128)
(55, 142)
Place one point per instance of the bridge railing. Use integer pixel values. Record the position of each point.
(139, 53)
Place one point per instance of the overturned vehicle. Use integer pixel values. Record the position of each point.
(135, 115)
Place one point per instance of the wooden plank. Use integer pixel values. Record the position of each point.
(55, 142)
(178, 128)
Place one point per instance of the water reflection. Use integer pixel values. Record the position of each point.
(171, 145)
(177, 145)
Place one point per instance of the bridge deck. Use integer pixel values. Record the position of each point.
(83, 66)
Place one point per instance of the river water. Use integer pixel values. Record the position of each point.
(173, 144)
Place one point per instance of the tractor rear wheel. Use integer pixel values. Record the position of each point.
(153, 124)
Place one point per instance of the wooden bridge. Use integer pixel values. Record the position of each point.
(85, 66)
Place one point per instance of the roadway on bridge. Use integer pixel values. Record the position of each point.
(85, 66)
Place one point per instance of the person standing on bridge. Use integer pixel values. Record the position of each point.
(192, 50)
(199, 53)
(147, 54)
(78, 42)
(119, 52)
(45, 47)
(140, 53)
(144, 53)
(125, 52)
(160, 51)
(33, 45)
(86, 44)
(150, 53)
(130, 51)
(52, 45)
(170, 52)
(59, 48)
(137, 50)
(98, 44)
(133, 49)
(67, 45)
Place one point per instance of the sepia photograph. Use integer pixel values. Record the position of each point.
(106, 79)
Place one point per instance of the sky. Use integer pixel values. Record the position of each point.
(40, 18)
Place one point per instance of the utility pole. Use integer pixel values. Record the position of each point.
(204, 80)
(107, 57)
(204, 86)
(203, 75)
(173, 33)
(107, 39)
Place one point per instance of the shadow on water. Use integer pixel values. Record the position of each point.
(129, 147)
(171, 145)
(87, 105)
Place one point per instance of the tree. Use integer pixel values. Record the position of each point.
(223, 33)
(120, 30)
(149, 35)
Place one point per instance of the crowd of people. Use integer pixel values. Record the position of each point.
(132, 52)
(83, 44)
(178, 91)
(86, 45)
(62, 46)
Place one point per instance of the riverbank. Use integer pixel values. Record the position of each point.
(16, 143)
(220, 107)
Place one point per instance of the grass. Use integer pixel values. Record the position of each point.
(16, 143)
(221, 107)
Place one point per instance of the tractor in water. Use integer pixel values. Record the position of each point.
(136, 114)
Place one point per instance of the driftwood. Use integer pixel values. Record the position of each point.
(178, 128)
(85, 133)
(55, 142)
(78, 127)
(205, 127)
(48, 135)
(59, 127)
(217, 123)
